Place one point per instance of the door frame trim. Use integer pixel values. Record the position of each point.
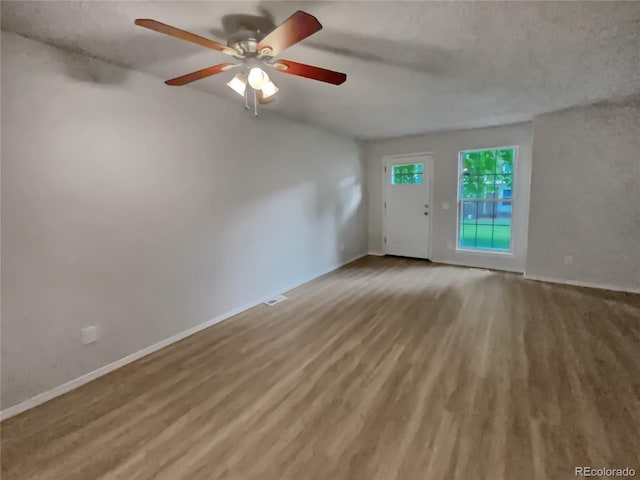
(429, 167)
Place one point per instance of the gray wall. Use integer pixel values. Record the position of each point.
(585, 196)
(444, 148)
(147, 210)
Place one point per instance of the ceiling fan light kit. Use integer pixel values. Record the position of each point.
(254, 51)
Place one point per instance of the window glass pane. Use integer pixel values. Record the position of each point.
(407, 178)
(501, 238)
(504, 185)
(485, 225)
(504, 160)
(486, 191)
(485, 233)
(488, 161)
(468, 235)
(469, 162)
(481, 162)
(469, 212)
(407, 169)
(503, 214)
(479, 186)
(407, 174)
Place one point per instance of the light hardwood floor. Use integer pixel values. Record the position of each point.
(385, 369)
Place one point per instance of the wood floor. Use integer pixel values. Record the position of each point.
(386, 369)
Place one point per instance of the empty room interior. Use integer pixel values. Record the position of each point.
(359, 240)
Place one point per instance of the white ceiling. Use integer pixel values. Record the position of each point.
(412, 66)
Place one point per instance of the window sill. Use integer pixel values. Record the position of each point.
(485, 252)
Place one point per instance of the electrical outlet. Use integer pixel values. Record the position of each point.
(568, 259)
(445, 206)
(89, 335)
(450, 245)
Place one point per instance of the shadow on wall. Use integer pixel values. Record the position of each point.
(83, 68)
(143, 48)
(349, 203)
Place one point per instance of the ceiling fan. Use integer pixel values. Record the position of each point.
(253, 50)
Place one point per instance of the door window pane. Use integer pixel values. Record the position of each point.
(407, 174)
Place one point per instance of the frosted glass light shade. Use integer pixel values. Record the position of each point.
(258, 79)
(269, 89)
(238, 84)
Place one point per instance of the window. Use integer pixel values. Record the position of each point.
(485, 199)
(506, 194)
(404, 174)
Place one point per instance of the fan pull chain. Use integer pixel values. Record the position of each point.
(255, 103)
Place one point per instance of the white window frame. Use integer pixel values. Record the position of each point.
(459, 201)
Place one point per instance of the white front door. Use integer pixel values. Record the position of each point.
(407, 209)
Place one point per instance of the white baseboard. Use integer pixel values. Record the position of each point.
(88, 377)
(582, 284)
(377, 254)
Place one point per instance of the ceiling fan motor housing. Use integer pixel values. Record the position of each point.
(246, 42)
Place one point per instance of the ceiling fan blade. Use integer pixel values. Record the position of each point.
(184, 35)
(309, 71)
(204, 73)
(294, 29)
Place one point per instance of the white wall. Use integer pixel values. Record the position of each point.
(147, 210)
(444, 148)
(585, 197)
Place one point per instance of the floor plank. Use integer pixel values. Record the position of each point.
(388, 368)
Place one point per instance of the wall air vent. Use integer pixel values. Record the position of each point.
(275, 300)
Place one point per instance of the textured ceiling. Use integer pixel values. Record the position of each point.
(413, 66)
